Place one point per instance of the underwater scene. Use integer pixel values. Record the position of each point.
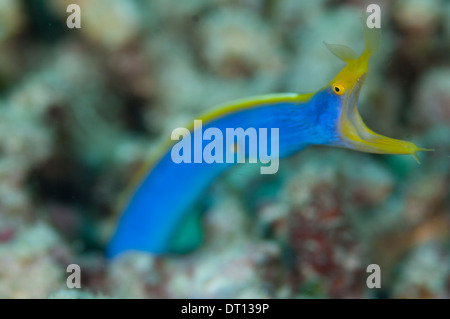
(255, 149)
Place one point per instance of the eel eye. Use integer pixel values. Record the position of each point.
(338, 89)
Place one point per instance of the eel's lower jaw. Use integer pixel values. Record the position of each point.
(356, 135)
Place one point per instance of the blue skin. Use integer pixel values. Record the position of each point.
(165, 196)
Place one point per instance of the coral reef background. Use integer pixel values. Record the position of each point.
(82, 109)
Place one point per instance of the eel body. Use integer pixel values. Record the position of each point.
(160, 205)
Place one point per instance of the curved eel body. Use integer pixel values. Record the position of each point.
(162, 202)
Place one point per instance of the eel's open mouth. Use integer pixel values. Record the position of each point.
(356, 135)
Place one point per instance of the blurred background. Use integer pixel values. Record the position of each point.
(82, 109)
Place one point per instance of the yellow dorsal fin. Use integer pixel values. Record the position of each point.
(343, 52)
(372, 38)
